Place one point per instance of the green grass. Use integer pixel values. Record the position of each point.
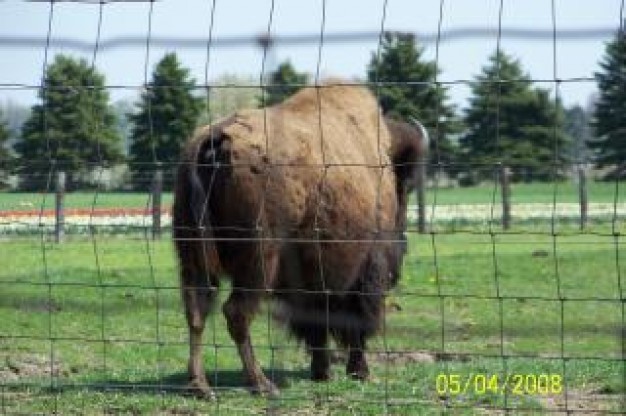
(527, 193)
(521, 193)
(29, 201)
(109, 314)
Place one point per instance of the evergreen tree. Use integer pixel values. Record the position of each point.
(511, 122)
(166, 116)
(5, 154)
(283, 82)
(73, 125)
(122, 109)
(225, 100)
(407, 90)
(610, 110)
(577, 125)
(15, 114)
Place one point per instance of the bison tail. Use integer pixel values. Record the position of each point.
(192, 215)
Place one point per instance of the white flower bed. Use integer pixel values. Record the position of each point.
(539, 211)
(79, 223)
(470, 214)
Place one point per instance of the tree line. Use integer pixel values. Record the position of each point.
(509, 121)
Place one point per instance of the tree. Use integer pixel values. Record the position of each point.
(72, 126)
(5, 154)
(15, 114)
(122, 109)
(405, 87)
(231, 93)
(510, 122)
(283, 82)
(610, 111)
(577, 125)
(166, 116)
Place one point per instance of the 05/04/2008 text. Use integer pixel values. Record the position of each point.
(517, 384)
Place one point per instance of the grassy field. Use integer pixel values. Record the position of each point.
(521, 193)
(29, 201)
(97, 327)
(529, 193)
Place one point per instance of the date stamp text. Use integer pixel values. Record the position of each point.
(514, 384)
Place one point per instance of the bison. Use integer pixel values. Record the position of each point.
(304, 202)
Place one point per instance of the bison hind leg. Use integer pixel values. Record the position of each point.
(250, 284)
(305, 317)
(315, 337)
(354, 338)
(362, 311)
(317, 343)
(199, 290)
(239, 311)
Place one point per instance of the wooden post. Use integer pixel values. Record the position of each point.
(505, 184)
(420, 181)
(59, 215)
(157, 189)
(582, 196)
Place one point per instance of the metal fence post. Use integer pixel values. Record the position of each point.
(582, 196)
(420, 180)
(59, 214)
(157, 189)
(505, 184)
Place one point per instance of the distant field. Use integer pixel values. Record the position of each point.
(96, 326)
(521, 193)
(528, 193)
(28, 201)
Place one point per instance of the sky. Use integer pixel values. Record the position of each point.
(459, 59)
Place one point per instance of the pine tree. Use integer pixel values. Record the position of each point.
(5, 154)
(283, 82)
(510, 122)
(72, 126)
(407, 89)
(166, 116)
(610, 110)
(577, 125)
(231, 93)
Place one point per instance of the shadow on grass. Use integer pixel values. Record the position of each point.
(176, 383)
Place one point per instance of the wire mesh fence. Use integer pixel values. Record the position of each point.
(510, 298)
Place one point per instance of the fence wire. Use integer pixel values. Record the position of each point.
(483, 315)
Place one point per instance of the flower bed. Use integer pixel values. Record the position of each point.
(81, 221)
(486, 212)
(122, 220)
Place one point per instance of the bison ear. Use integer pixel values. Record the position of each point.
(409, 146)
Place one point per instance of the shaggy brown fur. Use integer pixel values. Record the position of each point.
(305, 200)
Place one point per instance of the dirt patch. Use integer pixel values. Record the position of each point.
(403, 357)
(29, 366)
(407, 357)
(398, 357)
(38, 305)
(583, 402)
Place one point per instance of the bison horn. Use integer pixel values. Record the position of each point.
(425, 138)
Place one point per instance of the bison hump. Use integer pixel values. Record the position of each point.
(323, 152)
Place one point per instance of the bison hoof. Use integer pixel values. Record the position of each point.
(360, 374)
(320, 366)
(264, 387)
(320, 374)
(200, 389)
(358, 370)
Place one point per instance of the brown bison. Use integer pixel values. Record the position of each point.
(304, 201)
